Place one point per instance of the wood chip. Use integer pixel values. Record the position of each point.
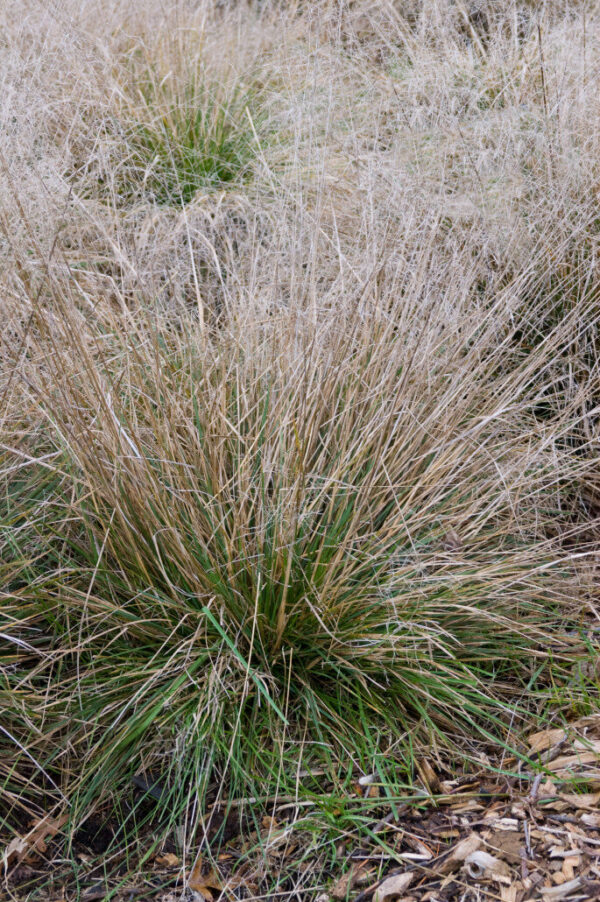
(459, 853)
(561, 891)
(588, 801)
(568, 762)
(545, 739)
(393, 887)
(481, 864)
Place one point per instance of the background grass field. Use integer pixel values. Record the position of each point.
(299, 397)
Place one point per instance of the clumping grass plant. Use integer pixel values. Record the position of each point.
(293, 487)
(176, 126)
(298, 521)
(172, 141)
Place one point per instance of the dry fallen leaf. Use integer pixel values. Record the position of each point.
(34, 842)
(15, 850)
(204, 884)
(167, 860)
(428, 776)
(508, 844)
(346, 882)
(196, 873)
(392, 888)
(452, 541)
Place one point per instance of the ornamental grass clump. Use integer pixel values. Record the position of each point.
(173, 134)
(277, 526)
(204, 141)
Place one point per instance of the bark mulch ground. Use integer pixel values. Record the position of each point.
(473, 838)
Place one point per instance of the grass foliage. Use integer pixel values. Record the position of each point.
(325, 489)
(173, 141)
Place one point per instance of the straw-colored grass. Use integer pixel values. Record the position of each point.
(298, 390)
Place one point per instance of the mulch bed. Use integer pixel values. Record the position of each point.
(472, 838)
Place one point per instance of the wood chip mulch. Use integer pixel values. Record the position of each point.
(477, 838)
(488, 842)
